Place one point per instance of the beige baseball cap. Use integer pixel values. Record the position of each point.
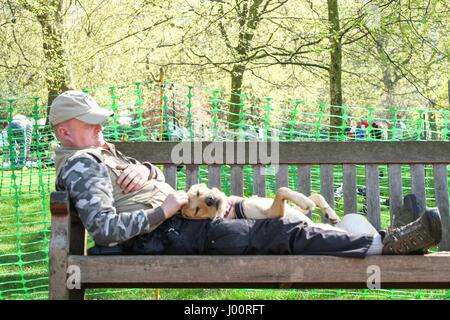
(77, 104)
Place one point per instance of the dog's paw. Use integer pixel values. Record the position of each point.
(331, 216)
(334, 220)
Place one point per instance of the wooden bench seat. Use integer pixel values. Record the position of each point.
(68, 242)
(274, 271)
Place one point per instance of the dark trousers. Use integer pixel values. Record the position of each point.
(266, 236)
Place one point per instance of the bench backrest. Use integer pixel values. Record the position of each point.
(303, 155)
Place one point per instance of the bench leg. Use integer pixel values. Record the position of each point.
(58, 254)
(58, 290)
(68, 237)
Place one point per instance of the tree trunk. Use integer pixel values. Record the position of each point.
(57, 72)
(335, 70)
(389, 88)
(237, 77)
(432, 125)
(248, 21)
(448, 92)
(390, 77)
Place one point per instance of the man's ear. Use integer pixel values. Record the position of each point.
(63, 133)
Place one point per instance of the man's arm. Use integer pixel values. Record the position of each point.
(155, 173)
(135, 174)
(91, 191)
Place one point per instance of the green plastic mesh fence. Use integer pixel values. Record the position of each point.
(147, 111)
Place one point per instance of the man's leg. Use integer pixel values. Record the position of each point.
(267, 236)
(357, 224)
(280, 236)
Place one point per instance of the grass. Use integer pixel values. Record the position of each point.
(25, 233)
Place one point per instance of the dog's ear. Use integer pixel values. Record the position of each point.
(202, 185)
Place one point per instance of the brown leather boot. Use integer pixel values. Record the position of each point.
(421, 234)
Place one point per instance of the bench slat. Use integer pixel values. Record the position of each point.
(214, 176)
(237, 180)
(259, 181)
(323, 152)
(304, 179)
(373, 195)
(441, 193)
(170, 172)
(349, 186)
(327, 185)
(418, 185)
(282, 179)
(395, 191)
(191, 175)
(249, 271)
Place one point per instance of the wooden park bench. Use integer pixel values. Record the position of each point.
(68, 239)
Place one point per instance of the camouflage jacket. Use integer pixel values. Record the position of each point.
(109, 215)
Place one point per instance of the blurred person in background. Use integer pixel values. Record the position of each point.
(21, 131)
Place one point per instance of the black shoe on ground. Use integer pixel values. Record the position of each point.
(416, 236)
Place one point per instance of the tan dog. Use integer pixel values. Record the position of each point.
(205, 203)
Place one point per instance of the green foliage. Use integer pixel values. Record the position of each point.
(394, 54)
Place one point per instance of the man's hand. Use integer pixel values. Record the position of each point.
(173, 203)
(133, 177)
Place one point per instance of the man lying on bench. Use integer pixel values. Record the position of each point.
(126, 205)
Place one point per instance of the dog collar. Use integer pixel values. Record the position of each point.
(239, 210)
(230, 204)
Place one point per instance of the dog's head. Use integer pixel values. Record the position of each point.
(204, 203)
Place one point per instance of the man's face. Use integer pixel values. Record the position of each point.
(79, 134)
